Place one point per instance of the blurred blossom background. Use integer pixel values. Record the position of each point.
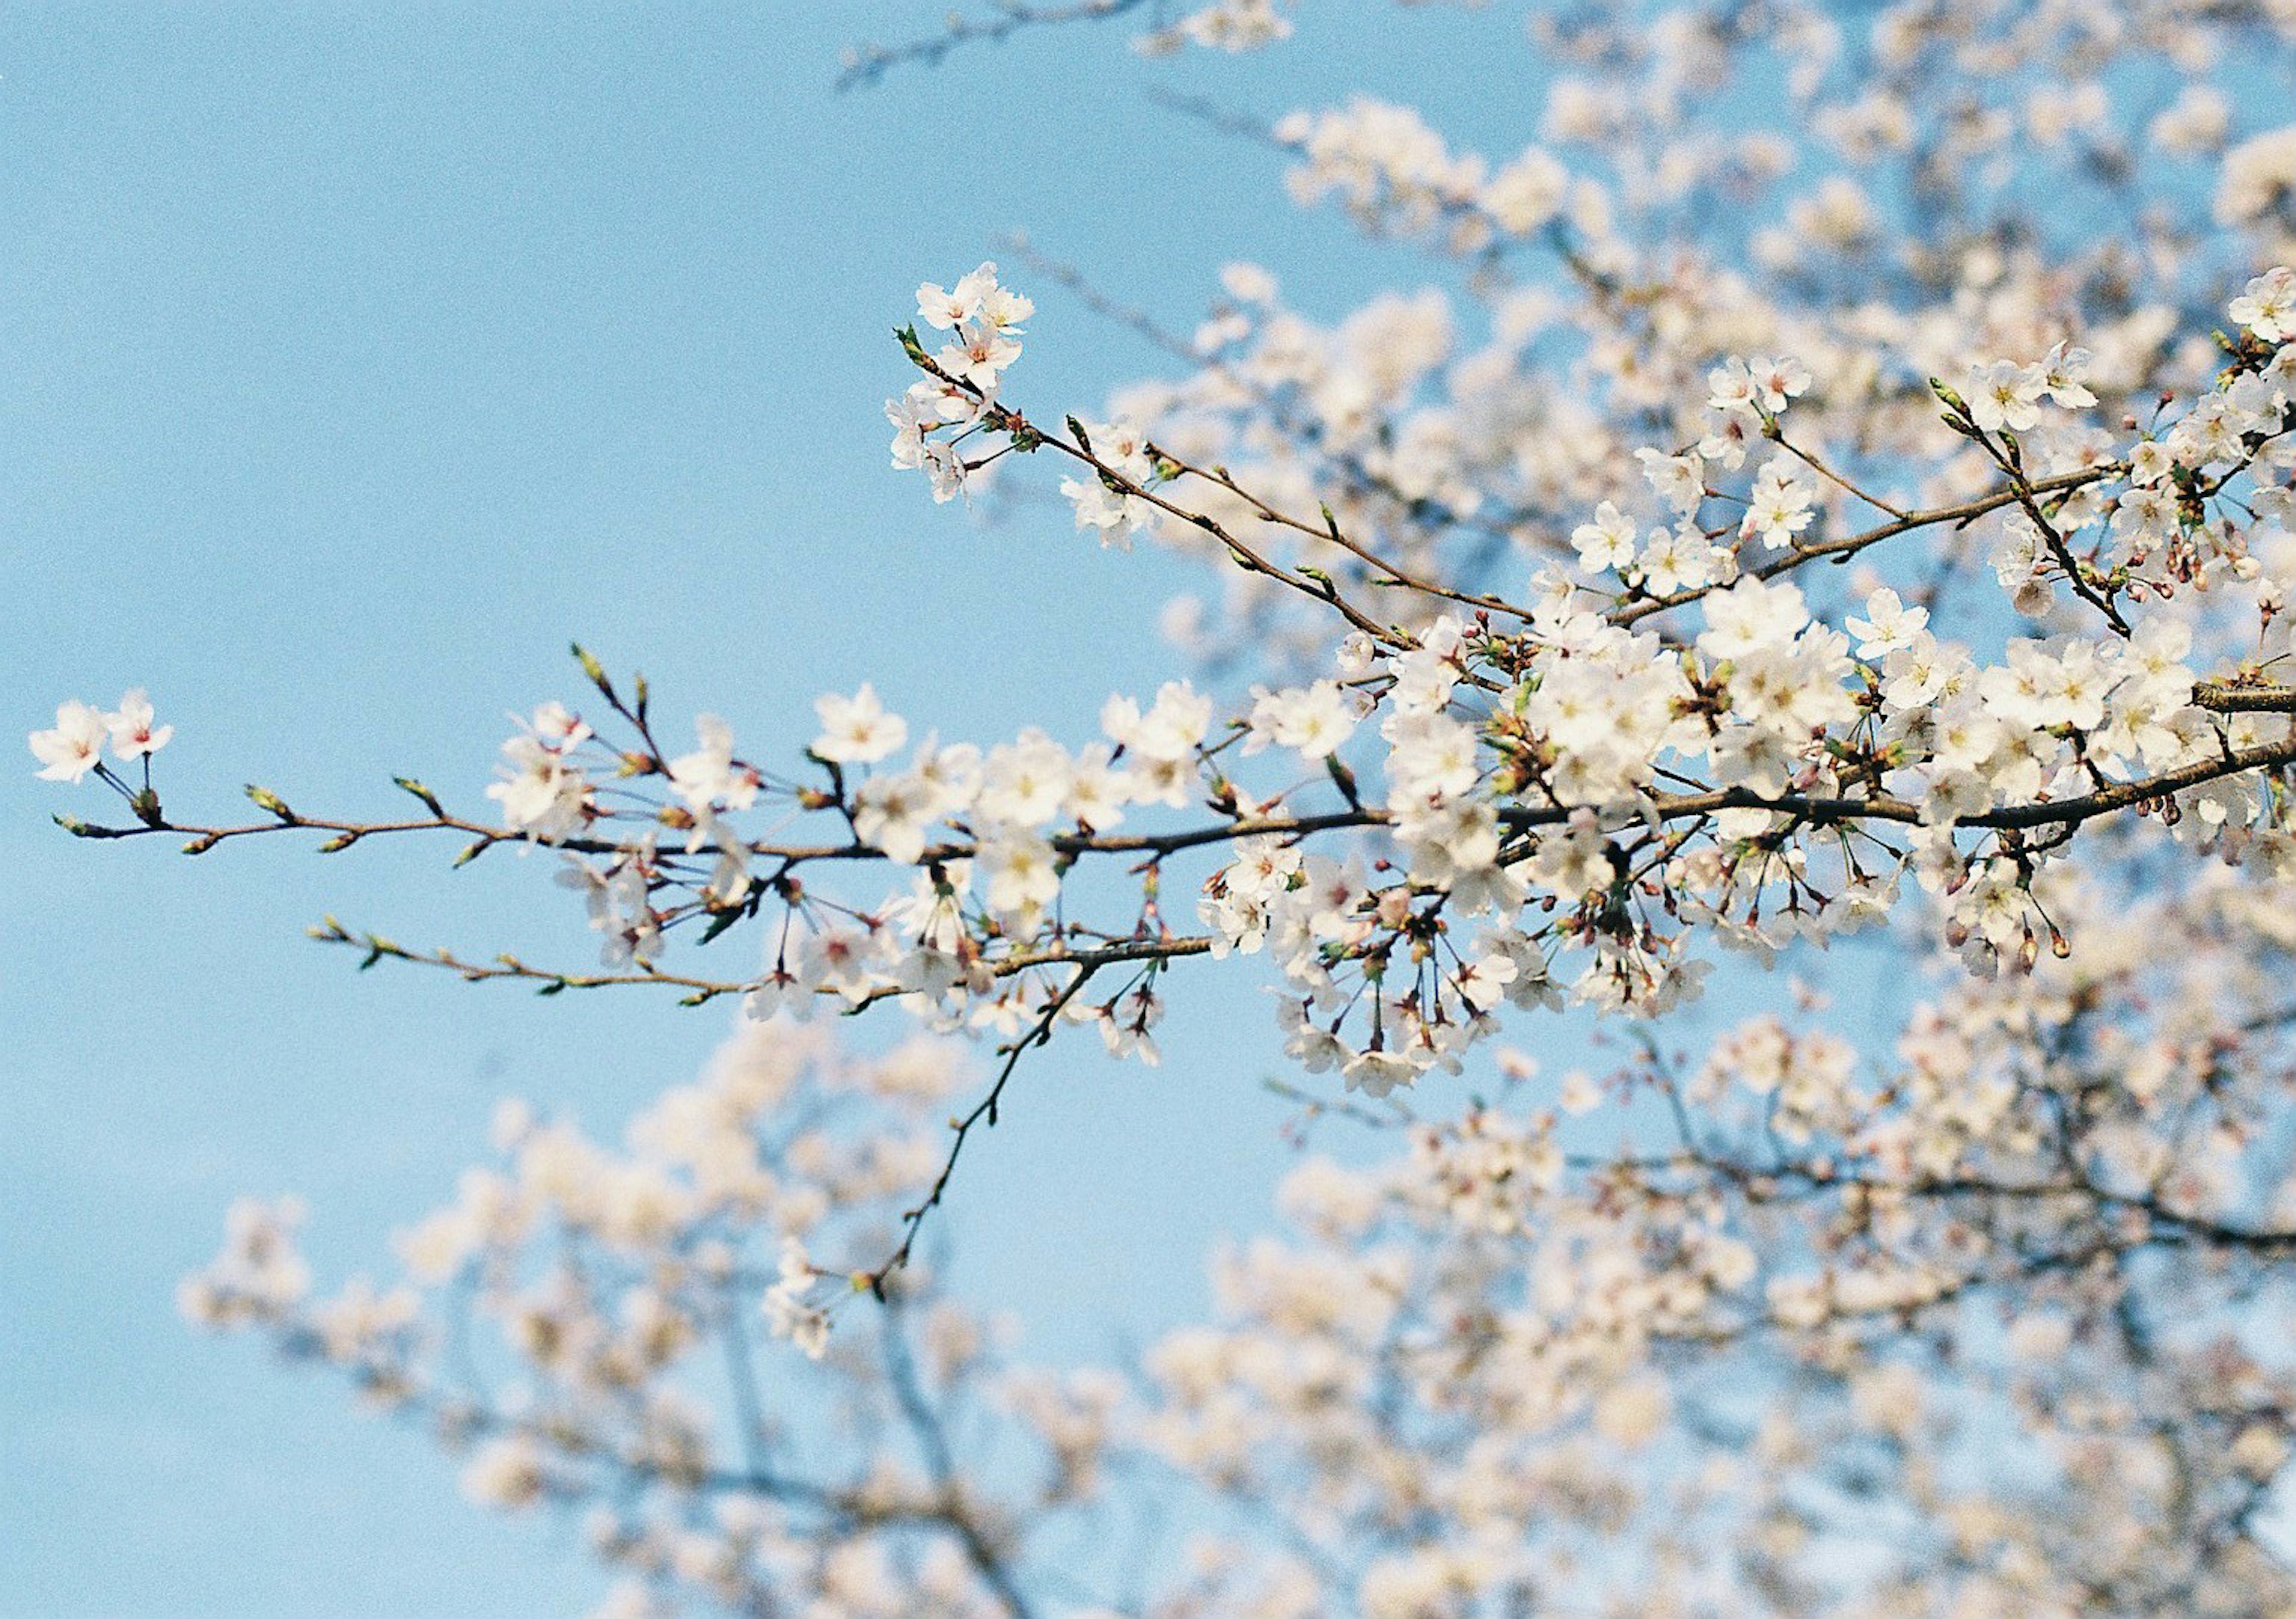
(352, 361)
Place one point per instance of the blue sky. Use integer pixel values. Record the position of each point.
(352, 360)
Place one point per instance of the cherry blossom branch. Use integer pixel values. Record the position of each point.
(1843, 547)
(1347, 466)
(850, 1509)
(2244, 695)
(379, 948)
(983, 1112)
(930, 1432)
(868, 64)
(1026, 436)
(553, 981)
(1316, 587)
(1330, 532)
(1775, 435)
(2224, 696)
(349, 832)
(2011, 462)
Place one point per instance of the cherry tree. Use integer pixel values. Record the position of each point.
(1836, 481)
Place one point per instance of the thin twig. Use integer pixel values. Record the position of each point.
(983, 1111)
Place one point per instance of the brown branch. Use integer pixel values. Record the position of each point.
(985, 1110)
(2240, 695)
(1773, 432)
(1331, 533)
(553, 981)
(869, 63)
(1843, 548)
(2231, 696)
(1025, 435)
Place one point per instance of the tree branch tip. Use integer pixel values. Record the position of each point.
(267, 800)
(429, 799)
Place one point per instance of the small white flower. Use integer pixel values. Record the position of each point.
(856, 730)
(74, 746)
(133, 734)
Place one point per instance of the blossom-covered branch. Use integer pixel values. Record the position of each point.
(1516, 686)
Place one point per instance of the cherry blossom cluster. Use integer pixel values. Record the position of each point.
(1835, 489)
(74, 746)
(1784, 1319)
(1235, 27)
(982, 320)
(569, 1321)
(1573, 792)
